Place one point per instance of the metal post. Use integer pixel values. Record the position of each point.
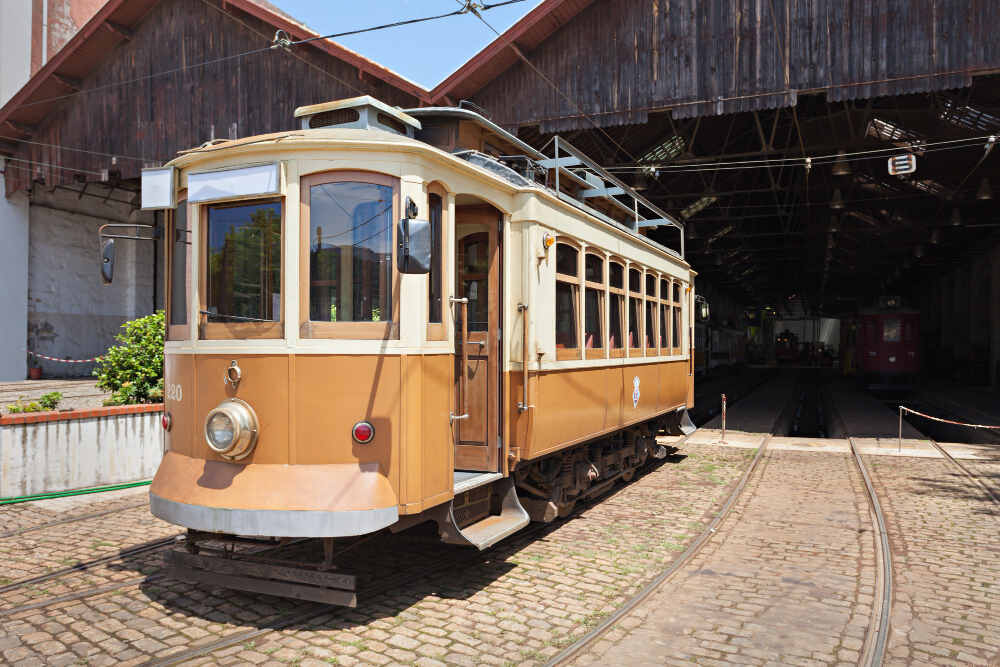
(899, 438)
(723, 419)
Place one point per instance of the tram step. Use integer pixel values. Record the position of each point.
(491, 529)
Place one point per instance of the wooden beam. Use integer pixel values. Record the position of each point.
(70, 82)
(118, 29)
(21, 127)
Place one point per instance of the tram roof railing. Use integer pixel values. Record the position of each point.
(595, 182)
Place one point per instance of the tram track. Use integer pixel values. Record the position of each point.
(316, 610)
(590, 638)
(72, 519)
(122, 554)
(873, 651)
(969, 475)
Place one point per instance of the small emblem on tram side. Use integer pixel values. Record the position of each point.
(635, 391)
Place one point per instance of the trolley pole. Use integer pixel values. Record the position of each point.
(723, 419)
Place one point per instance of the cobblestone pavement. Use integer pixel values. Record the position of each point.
(518, 602)
(945, 540)
(27, 516)
(788, 579)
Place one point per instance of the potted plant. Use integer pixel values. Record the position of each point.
(38, 332)
(34, 368)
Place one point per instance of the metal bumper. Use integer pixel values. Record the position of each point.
(273, 500)
(273, 523)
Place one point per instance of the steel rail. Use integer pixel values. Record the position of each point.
(316, 610)
(81, 567)
(874, 646)
(971, 476)
(579, 645)
(96, 590)
(79, 595)
(877, 647)
(71, 519)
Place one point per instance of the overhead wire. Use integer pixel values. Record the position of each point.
(468, 6)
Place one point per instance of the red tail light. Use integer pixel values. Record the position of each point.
(363, 432)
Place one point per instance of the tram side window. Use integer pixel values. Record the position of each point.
(434, 278)
(593, 305)
(567, 299)
(676, 310)
(180, 261)
(350, 252)
(635, 310)
(650, 314)
(243, 276)
(616, 306)
(665, 331)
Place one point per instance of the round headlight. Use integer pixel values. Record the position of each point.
(231, 429)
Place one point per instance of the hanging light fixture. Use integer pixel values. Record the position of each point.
(956, 217)
(834, 224)
(840, 166)
(985, 191)
(936, 236)
(918, 252)
(837, 201)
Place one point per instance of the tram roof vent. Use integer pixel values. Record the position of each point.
(357, 112)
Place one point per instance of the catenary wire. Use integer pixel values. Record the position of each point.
(467, 6)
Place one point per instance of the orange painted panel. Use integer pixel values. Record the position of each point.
(264, 386)
(437, 451)
(179, 401)
(333, 393)
(575, 405)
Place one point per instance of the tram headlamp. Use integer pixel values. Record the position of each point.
(231, 429)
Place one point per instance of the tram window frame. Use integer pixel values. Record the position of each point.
(383, 330)
(598, 289)
(574, 283)
(635, 311)
(650, 315)
(179, 330)
(238, 330)
(677, 291)
(666, 331)
(617, 295)
(438, 330)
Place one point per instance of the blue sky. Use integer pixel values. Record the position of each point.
(425, 52)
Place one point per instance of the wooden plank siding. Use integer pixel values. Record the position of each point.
(622, 59)
(151, 119)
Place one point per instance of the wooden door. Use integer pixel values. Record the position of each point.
(478, 277)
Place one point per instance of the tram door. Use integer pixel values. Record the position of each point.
(477, 354)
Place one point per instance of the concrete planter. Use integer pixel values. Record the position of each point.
(44, 452)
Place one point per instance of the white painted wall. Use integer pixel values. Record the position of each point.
(77, 314)
(79, 453)
(13, 283)
(15, 46)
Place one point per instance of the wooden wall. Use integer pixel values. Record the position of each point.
(620, 59)
(151, 119)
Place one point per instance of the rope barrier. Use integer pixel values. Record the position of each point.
(947, 421)
(64, 361)
(903, 408)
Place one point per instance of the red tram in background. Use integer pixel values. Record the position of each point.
(887, 343)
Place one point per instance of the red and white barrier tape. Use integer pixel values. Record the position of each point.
(64, 361)
(947, 421)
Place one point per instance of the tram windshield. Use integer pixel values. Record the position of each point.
(244, 263)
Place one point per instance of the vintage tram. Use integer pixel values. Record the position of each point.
(887, 345)
(386, 317)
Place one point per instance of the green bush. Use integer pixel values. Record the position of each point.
(20, 406)
(133, 371)
(50, 400)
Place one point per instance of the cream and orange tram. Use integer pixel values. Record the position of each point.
(383, 318)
